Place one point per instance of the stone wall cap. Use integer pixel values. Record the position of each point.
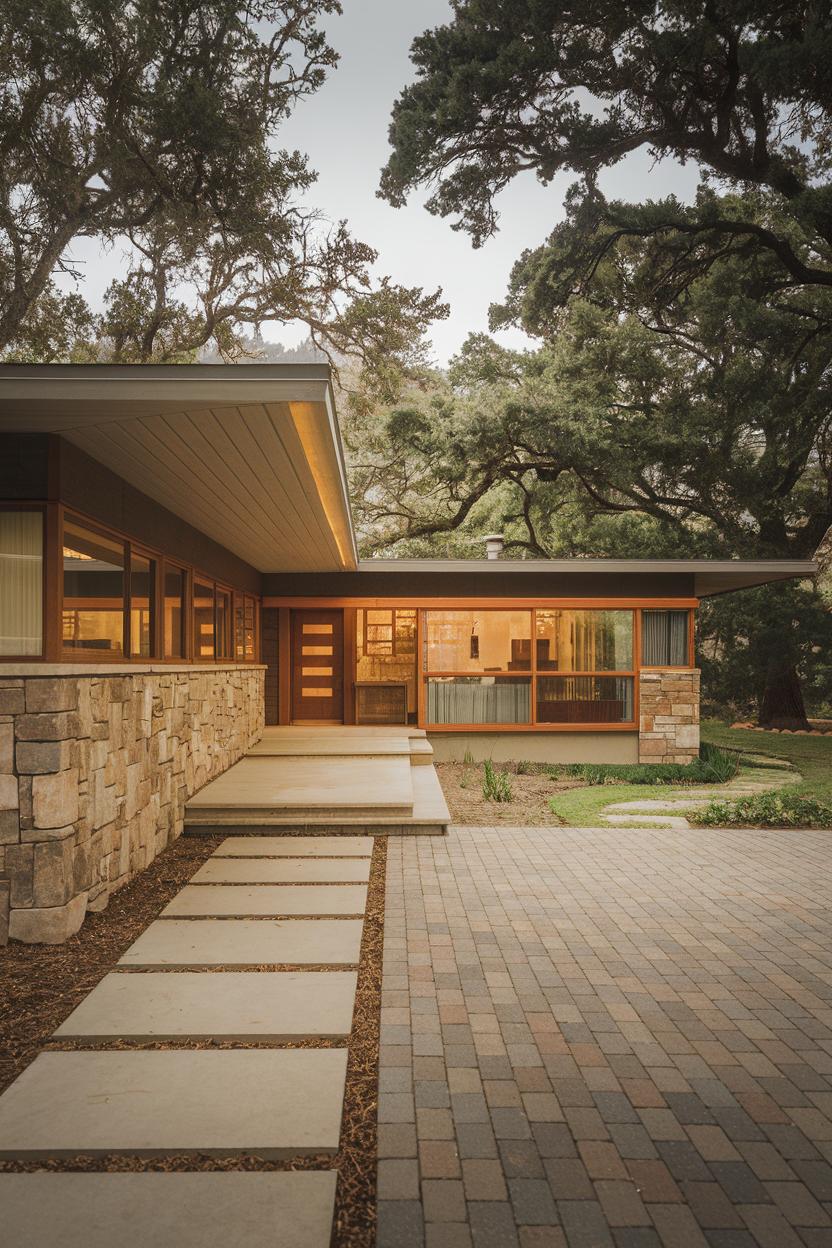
(51, 670)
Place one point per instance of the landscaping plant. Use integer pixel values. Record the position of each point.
(496, 785)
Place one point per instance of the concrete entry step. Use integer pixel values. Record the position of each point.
(271, 1102)
(288, 1209)
(328, 788)
(295, 846)
(246, 943)
(240, 901)
(271, 1005)
(283, 870)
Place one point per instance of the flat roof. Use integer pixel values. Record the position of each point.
(710, 576)
(251, 455)
(248, 454)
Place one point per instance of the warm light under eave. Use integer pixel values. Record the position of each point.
(317, 447)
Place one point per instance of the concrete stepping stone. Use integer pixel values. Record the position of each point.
(271, 1005)
(295, 847)
(246, 943)
(238, 901)
(288, 1209)
(272, 1102)
(283, 871)
(646, 821)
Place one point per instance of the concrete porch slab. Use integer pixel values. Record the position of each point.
(289, 1209)
(239, 901)
(283, 871)
(246, 943)
(295, 847)
(270, 1005)
(309, 784)
(157, 1103)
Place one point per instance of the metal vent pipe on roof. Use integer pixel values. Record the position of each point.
(494, 543)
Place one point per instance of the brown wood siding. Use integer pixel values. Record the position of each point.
(453, 583)
(269, 633)
(24, 467)
(100, 494)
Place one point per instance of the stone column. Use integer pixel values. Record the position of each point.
(668, 716)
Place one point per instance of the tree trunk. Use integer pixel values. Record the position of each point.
(781, 705)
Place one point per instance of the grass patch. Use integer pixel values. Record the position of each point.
(581, 808)
(812, 756)
(713, 766)
(781, 808)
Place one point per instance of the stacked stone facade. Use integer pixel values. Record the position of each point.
(668, 716)
(95, 770)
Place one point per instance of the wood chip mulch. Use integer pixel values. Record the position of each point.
(40, 985)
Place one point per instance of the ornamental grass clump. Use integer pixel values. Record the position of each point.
(496, 785)
(780, 808)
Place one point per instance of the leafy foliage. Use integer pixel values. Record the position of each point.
(779, 809)
(739, 87)
(153, 127)
(713, 766)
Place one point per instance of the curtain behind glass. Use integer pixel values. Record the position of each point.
(664, 638)
(21, 582)
(469, 700)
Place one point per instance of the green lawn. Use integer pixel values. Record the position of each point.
(581, 808)
(812, 756)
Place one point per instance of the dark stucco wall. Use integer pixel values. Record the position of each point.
(490, 584)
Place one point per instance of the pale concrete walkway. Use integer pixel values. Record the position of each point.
(598, 1038)
(270, 1101)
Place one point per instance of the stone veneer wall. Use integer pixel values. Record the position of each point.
(668, 716)
(95, 769)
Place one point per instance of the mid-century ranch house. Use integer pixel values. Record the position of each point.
(178, 567)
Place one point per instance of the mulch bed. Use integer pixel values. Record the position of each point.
(40, 985)
(530, 793)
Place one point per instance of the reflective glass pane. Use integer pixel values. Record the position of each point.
(584, 699)
(174, 608)
(203, 620)
(94, 583)
(223, 647)
(584, 641)
(21, 582)
(478, 641)
(385, 649)
(142, 604)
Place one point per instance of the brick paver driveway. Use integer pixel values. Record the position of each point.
(595, 1038)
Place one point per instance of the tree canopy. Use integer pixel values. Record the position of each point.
(741, 87)
(153, 127)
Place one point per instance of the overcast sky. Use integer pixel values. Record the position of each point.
(343, 128)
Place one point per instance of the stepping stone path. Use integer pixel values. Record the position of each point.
(669, 811)
(220, 963)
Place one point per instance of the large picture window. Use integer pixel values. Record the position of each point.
(385, 650)
(174, 613)
(21, 583)
(142, 605)
(203, 616)
(538, 666)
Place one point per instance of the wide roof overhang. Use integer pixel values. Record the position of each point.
(249, 455)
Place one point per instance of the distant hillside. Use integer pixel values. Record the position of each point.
(262, 352)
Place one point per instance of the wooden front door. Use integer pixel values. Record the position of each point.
(318, 666)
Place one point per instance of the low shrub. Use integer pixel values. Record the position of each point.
(713, 766)
(496, 785)
(779, 808)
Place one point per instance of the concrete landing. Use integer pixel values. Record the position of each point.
(283, 871)
(274, 1103)
(240, 901)
(296, 847)
(330, 788)
(269, 1005)
(288, 1209)
(246, 943)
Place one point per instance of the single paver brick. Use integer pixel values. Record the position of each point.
(483, 1179)
(443, 1200)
